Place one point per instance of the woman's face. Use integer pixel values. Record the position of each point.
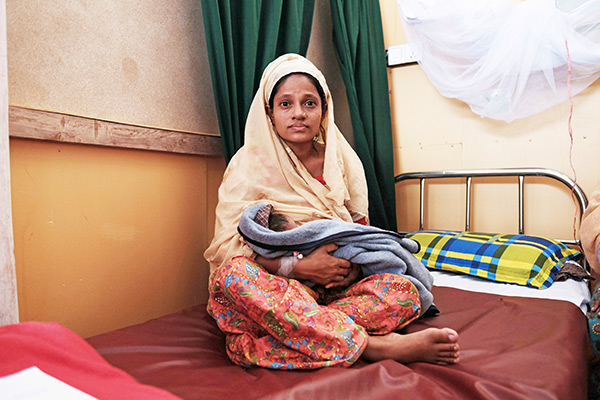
(297, 110)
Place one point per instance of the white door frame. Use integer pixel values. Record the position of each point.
(9, 310)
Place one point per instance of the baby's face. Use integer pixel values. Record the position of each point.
(290, 223)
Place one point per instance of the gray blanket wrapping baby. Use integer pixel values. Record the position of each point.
(375, 250)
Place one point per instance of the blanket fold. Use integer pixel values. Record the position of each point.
(375, 250)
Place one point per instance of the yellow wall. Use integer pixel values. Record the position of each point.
(107, 237)
(432, 132)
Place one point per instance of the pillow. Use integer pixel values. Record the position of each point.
(522, 259)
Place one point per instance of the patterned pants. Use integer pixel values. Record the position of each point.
(275, 322)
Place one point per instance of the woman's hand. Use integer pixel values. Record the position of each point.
(324, 269)
(352, 277)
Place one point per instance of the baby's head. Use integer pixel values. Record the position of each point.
(281, 222)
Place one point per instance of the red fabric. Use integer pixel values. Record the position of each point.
(321, 179)
(67, 357)
(511, 349)
(362, 221)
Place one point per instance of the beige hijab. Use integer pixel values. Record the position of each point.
(266, 170)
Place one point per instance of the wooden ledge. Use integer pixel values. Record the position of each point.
(46, 125)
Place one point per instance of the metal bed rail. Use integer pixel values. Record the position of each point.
(520, 173)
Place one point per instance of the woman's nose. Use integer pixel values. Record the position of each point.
(299, 112)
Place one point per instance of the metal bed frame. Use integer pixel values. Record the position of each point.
(521, 173)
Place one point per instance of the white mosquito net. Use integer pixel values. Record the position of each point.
(506, 61)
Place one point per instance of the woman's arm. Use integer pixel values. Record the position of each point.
(319, 267)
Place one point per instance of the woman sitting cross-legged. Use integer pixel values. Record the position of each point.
(295, 159)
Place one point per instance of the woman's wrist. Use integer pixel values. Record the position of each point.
(287, 265)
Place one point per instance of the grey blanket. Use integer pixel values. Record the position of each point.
(375, 250)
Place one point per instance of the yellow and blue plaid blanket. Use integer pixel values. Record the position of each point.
(522, 259)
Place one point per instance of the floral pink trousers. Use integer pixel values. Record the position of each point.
(276, 322)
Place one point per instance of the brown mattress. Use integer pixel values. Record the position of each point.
(511, 348)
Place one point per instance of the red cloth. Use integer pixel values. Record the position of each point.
(67, 357)
(321, 179)
(362, 221)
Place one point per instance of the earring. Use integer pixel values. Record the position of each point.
(320, 136)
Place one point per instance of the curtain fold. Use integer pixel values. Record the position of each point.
(242, 37)
(358, 40)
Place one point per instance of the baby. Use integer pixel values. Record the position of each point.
(279, 222)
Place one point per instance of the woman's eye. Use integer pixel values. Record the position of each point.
(285, 104)
(311, 103)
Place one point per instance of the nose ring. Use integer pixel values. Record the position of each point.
(304, 115)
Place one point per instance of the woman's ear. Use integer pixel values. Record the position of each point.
(269, 112)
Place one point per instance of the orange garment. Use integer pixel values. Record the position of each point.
(275, 322)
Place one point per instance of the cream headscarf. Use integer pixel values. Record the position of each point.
(266, 170)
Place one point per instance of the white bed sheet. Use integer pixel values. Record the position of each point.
(570, 290)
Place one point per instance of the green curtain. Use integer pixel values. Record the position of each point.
(358, 39)
(242, 38)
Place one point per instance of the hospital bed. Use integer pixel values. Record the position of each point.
(517, 341)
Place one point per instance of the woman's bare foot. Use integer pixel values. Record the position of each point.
(432, 345)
